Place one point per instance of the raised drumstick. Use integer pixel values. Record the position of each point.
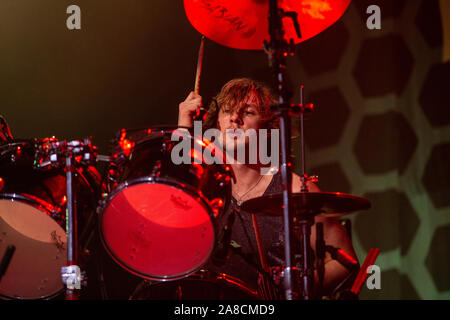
(201, 114)
(199, 65)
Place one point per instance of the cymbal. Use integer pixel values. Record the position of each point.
(308, 203)
(244, 24)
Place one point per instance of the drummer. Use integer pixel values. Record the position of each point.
(245, 104)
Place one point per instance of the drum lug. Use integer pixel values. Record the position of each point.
(222, 178)
(277, 275)
(164, 147)
(203, 273)
(156, 172)
(216, 205)
(56, 215)
(101, 203)
(113, 173)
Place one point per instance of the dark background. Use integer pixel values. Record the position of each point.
(381, 126)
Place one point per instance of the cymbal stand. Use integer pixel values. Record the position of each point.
(278, 49)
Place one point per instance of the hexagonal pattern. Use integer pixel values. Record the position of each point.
(438, 259)
(325, 126)
(388, 8)
(314, 54)
(391, 211)
(428, 21)
(331, 178)
(434, 97)
(383, 66)
(385, 142)
(437, 176)
(393, 285)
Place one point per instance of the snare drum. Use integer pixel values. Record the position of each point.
(203, 285)
(32, 218)
(158, 221)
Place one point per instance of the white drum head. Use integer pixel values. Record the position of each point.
(41, 250)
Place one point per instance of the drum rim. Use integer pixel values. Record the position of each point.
(159, 130)
(48, 297)
(154, 180)
(30, 200)
(209, 276)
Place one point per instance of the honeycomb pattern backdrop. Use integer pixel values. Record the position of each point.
(381, 129)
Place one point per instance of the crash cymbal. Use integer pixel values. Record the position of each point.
(243, 24)
(308, 203)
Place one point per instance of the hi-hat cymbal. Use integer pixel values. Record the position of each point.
(308, 203)
(243, 24)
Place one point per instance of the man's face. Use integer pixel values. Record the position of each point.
(245, 116)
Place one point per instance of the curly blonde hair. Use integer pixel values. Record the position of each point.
(236, 92)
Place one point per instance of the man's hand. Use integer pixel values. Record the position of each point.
(188, 109)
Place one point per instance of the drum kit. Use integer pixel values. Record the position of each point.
(158, 220)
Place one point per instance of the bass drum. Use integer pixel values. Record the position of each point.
(158, 222)
(204, 285)
(32, 218)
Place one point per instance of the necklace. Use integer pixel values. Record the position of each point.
(239, 201)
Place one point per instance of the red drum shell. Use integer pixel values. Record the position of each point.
(159, 220)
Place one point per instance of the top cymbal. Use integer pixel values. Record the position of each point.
(243, 24)
(308, 203)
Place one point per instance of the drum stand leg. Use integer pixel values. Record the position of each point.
(306, 263)
(100, 270)
(71, 274)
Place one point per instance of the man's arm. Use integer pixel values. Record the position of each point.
(334, 235)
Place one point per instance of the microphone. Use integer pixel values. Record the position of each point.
(223, 245)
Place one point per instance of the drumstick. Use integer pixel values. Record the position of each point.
(199, 65)
(362, 275)
(202, 112)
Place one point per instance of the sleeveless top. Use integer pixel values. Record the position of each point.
(243, 261)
